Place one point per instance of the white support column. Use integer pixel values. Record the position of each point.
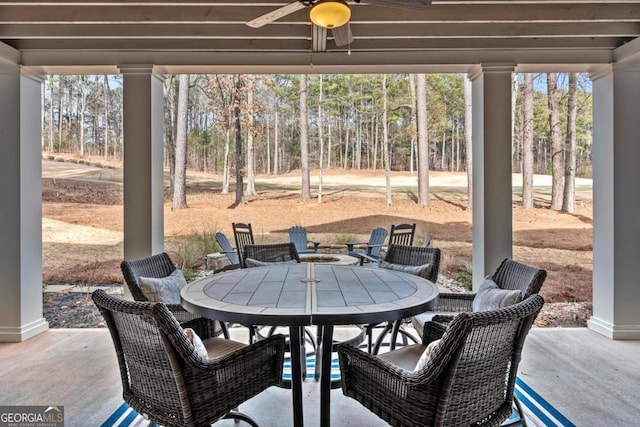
(21, 208)
(616, 201)
(143, 161)
(492, 210)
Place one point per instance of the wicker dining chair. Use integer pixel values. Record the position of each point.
(167, 381)
(511, 275)
(269, 253)
(403, 258)
(159, 266)
(468, 376)
(243, 235)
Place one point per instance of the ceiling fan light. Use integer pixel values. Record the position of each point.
(330, 14)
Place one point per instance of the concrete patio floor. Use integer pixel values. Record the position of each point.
(591, 380)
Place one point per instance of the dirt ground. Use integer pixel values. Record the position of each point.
(83, 221)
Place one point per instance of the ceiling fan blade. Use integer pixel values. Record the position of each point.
(318, 39)
(342, 35)
(401, 4)
(274, 15)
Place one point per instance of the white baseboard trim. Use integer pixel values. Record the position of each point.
(24, 332)
(614, 332)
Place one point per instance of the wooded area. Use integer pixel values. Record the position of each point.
(246, 124)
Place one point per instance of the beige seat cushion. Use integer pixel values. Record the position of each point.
(405, 357)
(418, 321)
(212, 347)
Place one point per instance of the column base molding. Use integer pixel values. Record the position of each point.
(614, 332)
(24, 332)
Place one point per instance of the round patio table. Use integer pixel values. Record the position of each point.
(298, 295)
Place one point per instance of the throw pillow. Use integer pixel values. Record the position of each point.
(491, 297)
(250, 262)
(198, 345)
(426, 355)
(418, 270)
(164, 289)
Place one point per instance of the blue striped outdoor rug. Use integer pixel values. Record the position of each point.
(537, 409)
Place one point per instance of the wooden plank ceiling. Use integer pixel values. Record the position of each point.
(36, 27)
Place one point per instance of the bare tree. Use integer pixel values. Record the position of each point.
(320, 136)
(557, 161)
(180, 179)
(305, 192)
(237, 115)
(568, 200)
(527, 144)
(251, 169)
(385, 141)
(468, 136)
(423, 141)
(107, 107)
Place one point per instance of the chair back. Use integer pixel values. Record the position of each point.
(243, 235)
(157, 266)
(376, 240)
(402, 234)
(298, 236)
(483, 351)
(150, 347)
(271, 253)
(415, 255)
(227, 249)
(513, 275)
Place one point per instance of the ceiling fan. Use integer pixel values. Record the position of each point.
(333, 14)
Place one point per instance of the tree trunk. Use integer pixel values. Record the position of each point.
(276, 147)
(468, 136)
(107, 103)
(423, 141)
(568, 200)
(51, 121)
(305, 191)
(527, 144)
(251, 168)
(180, 179)
(385, 141)
(414, 125)
(226, 172)
(557, 161)
(238, 128)
(320, 137)
(268, 156)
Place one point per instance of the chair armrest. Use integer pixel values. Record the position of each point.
(433, 331)
(315, 244)
(454, 302)
(263, 360)
(368, 379)
(350, 245)
(205, 328)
